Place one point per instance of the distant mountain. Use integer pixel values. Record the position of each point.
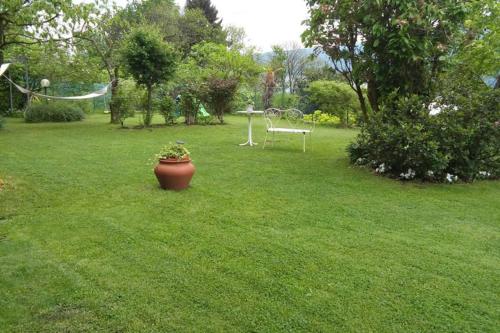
(322, 58)
(267, 56)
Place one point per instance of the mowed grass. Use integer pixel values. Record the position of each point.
(268, 240)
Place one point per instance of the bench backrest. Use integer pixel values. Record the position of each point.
(291, 118)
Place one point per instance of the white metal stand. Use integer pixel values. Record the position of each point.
(250, 116)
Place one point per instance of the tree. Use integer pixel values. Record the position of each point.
(279, 69)
(235, 37)
(150, 60)
(479, 47)
(269, 86)
(222, 71)
(100, 29)
(194, 28)
(207, 8)
(295, 63)
(390, 45)
(163, 14)
(30, 22)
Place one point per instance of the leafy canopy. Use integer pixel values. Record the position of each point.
(391, 45)
(31, 21)
(147, 57)
(207, 8)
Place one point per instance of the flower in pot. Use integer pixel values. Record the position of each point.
(174, 170)
(250, 104)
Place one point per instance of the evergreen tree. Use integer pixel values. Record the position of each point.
(208, 9)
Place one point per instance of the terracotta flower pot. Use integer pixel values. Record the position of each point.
(174, 174)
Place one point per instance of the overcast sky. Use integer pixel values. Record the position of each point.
(266, 22)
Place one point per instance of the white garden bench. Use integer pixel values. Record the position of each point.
(287, 121)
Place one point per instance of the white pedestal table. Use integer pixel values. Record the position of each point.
(250, 115)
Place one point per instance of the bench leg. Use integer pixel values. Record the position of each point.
(304, 145)
(265, 140)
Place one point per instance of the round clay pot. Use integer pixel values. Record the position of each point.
(174, 174)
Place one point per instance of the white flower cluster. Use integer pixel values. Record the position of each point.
(484, 174)
(451, 178)
(360, 161)
(381, 168)
(435, 108)
(430, 173)
(410, 174)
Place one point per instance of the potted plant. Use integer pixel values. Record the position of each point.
(175, 169)
(250, 105)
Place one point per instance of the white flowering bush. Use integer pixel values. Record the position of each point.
(455, 138)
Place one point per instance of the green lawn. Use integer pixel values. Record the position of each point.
(264, 241)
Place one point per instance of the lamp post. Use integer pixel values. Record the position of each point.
(45, 84)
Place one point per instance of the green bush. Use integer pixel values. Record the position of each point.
(461, 142)
(53, 112)
(128, 99)
(16, 114)
(323, 118)
(166, 107)
(1, 122)
(334, 97)
(285, 101)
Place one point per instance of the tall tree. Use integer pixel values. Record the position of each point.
(194, 28)
(100, 29)
(150, 60)
(296, 61)
(209, 10)
(391, 45)
(279, 68)
(163, 14)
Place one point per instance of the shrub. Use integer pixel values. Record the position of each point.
(285, 101)
(166, 107)
(461, 142)
(335, 98)
(129, 98)
(190, 106)
(1, 122)
(53, 112)
(221, 93)
(123, 108)
(16, 114)
(323, 118)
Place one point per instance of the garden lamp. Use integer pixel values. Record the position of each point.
(45, 84)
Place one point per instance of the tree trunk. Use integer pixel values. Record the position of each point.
(114, 112)
(149, 110)
(497, 84)
(372, 95)
(282, 94)
(220, 111)
(362, 102)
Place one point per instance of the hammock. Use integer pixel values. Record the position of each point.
(94, 94)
